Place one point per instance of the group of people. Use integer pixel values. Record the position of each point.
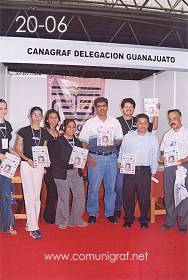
(129, 135)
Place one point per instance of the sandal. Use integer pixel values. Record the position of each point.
(12, 231)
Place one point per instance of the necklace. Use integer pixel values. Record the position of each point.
(5, 128)
(54, 134)
(129, 127)
(36, 138)
(70, 141)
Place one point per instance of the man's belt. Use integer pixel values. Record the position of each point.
(102, 153)
(141, 167)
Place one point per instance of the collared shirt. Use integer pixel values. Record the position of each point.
(177, 139)
(129, 125)
(144, 147)
(90, 128)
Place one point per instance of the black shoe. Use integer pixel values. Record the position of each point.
(112, 219)
(144, 225)
(164, 227)
(117, 213)
(183, 230)
(127, 225)
(92, 220)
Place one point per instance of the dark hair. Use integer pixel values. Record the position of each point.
(51, 111)
(175, 111)
(35, 108)
(139, 116)
(100, 100)
(3, 101)
(128, 100)
(66, 123)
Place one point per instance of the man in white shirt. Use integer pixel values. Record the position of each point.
(102, 159)
(177, 138)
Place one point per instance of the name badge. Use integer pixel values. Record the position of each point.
(4, 143)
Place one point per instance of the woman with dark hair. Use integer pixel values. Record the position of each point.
(28, 137)
(68, 178)
(6, 215)
(51, 121)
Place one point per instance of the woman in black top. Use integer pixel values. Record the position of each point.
(68, 178)
(6, 215)
(28, 137)
(51, 121)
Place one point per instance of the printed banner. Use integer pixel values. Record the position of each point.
(73, 97)
(67, 52)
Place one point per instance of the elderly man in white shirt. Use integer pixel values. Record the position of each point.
(177, 138)
(100, 135)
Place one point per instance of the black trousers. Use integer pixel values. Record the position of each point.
(137, 186)
(51, 199)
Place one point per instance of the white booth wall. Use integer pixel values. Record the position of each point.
(2, 81)
(172, 90)
(25, 91)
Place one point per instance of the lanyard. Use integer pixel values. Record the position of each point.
(5, 128)
(129, 127)
(37, 140)
(72, 142)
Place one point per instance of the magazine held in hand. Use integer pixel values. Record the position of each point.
(9, 165)
(128, 164)
(78, 157)
(150, 107)
(171, 156)
(40, 156)
(105, 136)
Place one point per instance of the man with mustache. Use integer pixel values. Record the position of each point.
(128, 124)
(102, 158)
(176, 137)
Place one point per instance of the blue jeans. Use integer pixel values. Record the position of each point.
(105, 169)
(119, 191)
(5, 203)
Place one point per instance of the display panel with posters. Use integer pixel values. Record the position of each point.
(73, 97)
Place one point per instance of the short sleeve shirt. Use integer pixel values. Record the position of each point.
(178, 139)
(90, 128)
(5, 133)
(130, 125)
(32, 138)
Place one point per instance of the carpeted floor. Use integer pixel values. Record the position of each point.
(157, 255)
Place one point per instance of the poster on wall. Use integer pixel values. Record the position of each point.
(73, 97)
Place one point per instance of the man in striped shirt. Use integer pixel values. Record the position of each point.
(177, 138)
